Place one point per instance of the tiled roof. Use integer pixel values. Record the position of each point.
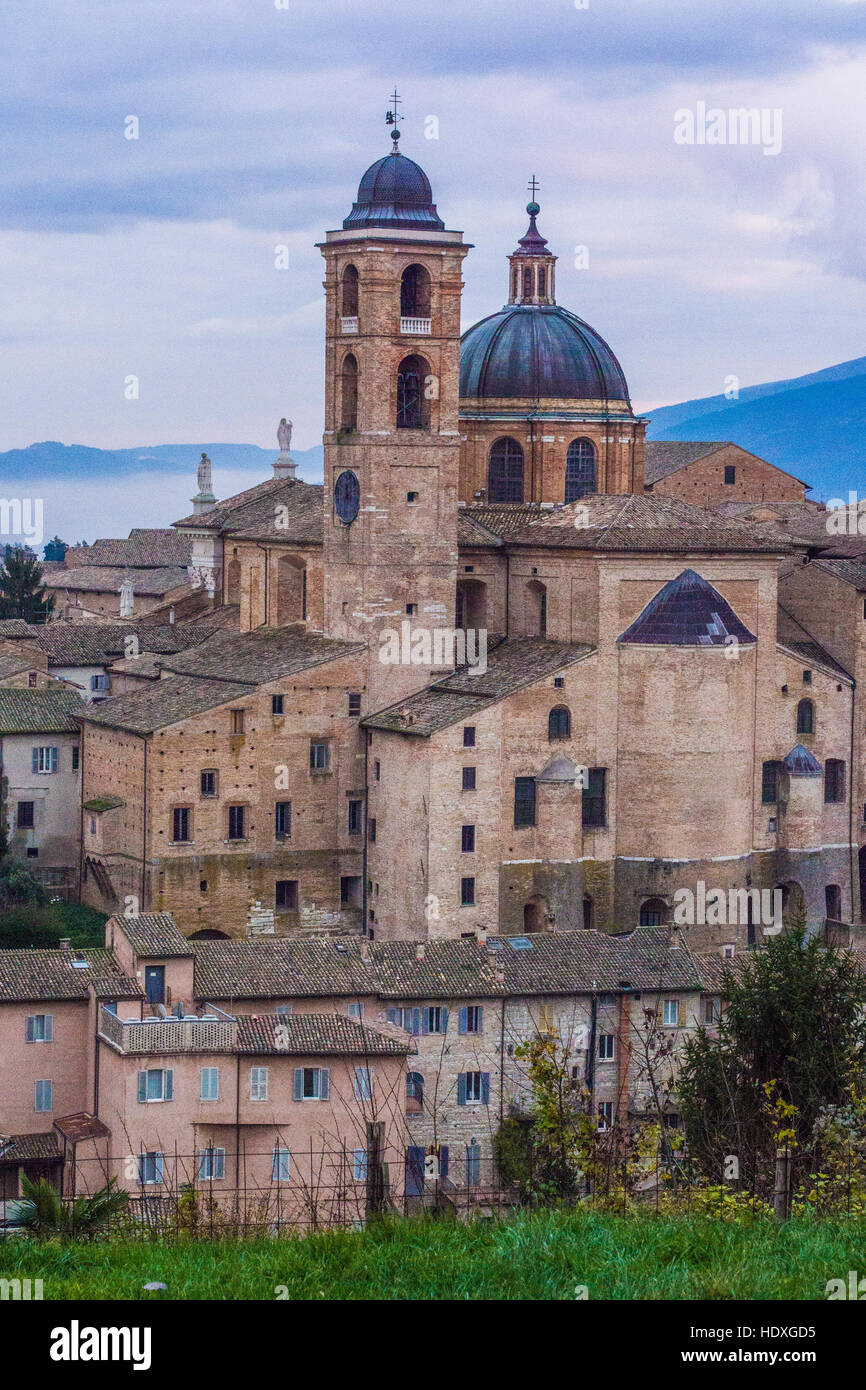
(713, 968)
(510, 666)
(106, 579)
(471, 531)
(792, 637)
(81, 1125)
(29, 1148)
(582, 962)
(664, 457)
(263, 655)
(642, 523)
(147, 666)
(850, 571)
(50, 974)
(16, 627)
(154, 934)
(38, 711)
(163, 702)
(12, 665)
(501, 520)
(687, 612)
(317, 1035)
(153, 548)
(800, 762)
(254, 514)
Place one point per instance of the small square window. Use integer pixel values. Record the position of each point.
(411, 496)
(354, 703)
(318, 757)
(411, 609)
(33, 854)
(559, 682)
(277, 704)
(469, 736)
(286, 895)
(469, 779)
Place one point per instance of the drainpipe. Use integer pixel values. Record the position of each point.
(144, 828)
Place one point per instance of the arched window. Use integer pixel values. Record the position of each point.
(579, 469)
(505, 471)
(536, 609)
(515, 283)
(413, 405)
(349, 297)
(805, 717)
(415, 293)
(349, 393)
(527, 282)
(541, 280)
(653, 912)
(414, 1093)
(558, 723)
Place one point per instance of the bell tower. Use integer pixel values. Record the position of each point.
(393, 283)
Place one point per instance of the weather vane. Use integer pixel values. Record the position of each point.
(392, 117)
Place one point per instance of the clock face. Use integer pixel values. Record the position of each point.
(347, 497)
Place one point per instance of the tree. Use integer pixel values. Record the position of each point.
(18, 887)
(55, 550)
(792, 1031)
(22, 593)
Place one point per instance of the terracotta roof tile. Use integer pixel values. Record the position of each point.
(38, 711)
(153, 934)
(317, 1035)
(49, 974)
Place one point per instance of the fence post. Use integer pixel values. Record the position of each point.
(782, 1189)
(375, 1188)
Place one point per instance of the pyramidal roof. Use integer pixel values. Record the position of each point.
(801, 763)
(687, 612)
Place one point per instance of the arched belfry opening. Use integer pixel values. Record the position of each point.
(415, 293)
(413, 393)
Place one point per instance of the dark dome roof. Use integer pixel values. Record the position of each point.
(395, 192)
(538, 350)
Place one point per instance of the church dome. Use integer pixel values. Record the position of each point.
(538, 351)
(394, 192)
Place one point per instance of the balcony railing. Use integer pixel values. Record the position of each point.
(415, 326)
(349, 325)
(214, 1032)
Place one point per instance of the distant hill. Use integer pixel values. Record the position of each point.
(51, 459)
(813, 426)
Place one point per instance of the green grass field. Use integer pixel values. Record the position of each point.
(543, 1256)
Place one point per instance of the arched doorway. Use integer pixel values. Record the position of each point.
(291, 590)
(233, 581)
(534, 915)
(472, 604)
(209, 934)
(536, 609)
(793, 903)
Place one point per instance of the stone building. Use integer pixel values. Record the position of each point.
(710, 473)
(40, 784)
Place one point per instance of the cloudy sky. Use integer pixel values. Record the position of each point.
(155, 257)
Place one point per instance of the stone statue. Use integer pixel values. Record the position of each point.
(284, 435)
(204, 479)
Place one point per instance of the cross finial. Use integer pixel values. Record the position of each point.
(392, 116)
(533, 186)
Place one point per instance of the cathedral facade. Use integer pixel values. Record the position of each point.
(484, 679)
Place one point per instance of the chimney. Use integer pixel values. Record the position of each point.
(365, 948)
(65, 943)
(419, 950)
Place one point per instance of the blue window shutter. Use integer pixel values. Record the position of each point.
(416, 1023)
(142, 1085)
(480, 1017)
(35, 759)
(391, 1015)
(299, 1083)
(324, 1083)
(54, 760)
(461, 1088)
(443, 1018)
(425, 1020)
(169, 1084)
(159, 1168)
(30, 1029)
(443, 1160)
(49, 1028)
(464, 1019)
(485, 1088)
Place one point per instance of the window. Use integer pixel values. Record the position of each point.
(282, 1165)
(237, 721)
(415, 293)
(258, 1083)
(730, 473)
(31, 680)
(24, 815)
(413, 402)
(283, 819)
(414, 1092)
(283, 1011)
(209, 781)
(834, 780)
(356, 817)
(39, 1028)
(605, 1115)
(653, 912)
(524, 801)
(833, 902)
(277, 704)
(407, 1018)
(435, 1019)
(349, 298)
(541, 280)
(606, 1047)
(527, 282)
(471, 1018)
(467, 892)
(807, 677)
(352, 890)
(237, 822)
(180, 824)
(75, 759)
(363, 1083)
(312, 1083)
(671, 1013)
(469, 779)
(467, 839)
(559, 682)
(805, 717)
(359, 1165)
(286, 894)
(473, 1088)
(558, 723)
(505, 471)
(318, 757)
(155, 1084)
(150, 1167)
(473, 1165)
(44, 759)
(349, 393)
(770, 773)
(594, 799)
(712, 1009)
(210, 1083)
(579, 469)
(212, 1164)
(100, 682)
(43, 1097)
(378, 770)
(412, 496)
(469, 736)
(355, 1009)
(354, 703)
(371, 830)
